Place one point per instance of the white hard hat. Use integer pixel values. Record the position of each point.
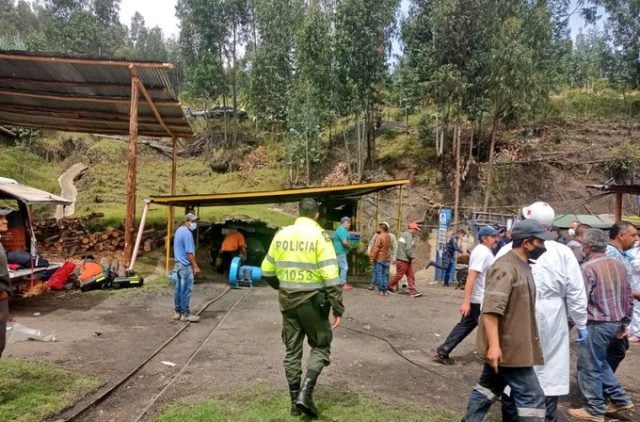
(541, 212)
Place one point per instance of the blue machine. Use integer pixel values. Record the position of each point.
(239, 273)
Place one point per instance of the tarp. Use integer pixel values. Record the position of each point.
(278, 196)
(10, 189)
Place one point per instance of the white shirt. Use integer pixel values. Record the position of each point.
(480, 260)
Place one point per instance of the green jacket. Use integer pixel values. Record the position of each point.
(405, 247)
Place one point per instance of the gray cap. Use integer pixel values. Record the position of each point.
(530, 228)
(5, 211)
(191, 217)
(597, 238)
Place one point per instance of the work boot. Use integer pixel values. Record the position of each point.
(190, 318)
(294, 390)
(304, 402)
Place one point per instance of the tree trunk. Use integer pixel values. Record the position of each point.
(456, 142)
(307, 158)
(488, 189)
(234, 84)
(346, 151)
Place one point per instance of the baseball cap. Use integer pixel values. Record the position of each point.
(191, 217)
(487, 231)
(384, 223)
(530, 228)
(345, 218)
(414, 226)
(5, 211)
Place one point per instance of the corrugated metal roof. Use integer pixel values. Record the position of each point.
(91, 95)
(29, 195)
(277, 196)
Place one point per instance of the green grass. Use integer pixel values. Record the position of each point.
(604, 104)
(262, 404)
(34, 391)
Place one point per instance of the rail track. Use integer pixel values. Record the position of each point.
(132, 396)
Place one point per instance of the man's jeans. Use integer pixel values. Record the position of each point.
(343, 266)
(184, 286)
(510, 413)
(616, 352)
(525, 392)
(382, 275)
(462, 329)
(596, 379)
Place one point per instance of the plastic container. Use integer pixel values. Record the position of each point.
(18, 332)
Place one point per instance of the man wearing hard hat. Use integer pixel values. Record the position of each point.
(560, 290)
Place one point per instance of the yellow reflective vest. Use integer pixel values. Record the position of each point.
(302, 257)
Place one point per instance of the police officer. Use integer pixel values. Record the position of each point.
(301, 264)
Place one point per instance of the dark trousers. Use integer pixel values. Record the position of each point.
(449, 272)
(227, 257)
(510, 413)
(462, 329)
(525, 392)
(616, 352)
(310, 320)
(4, 316)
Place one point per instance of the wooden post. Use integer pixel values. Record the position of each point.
(174, 172)
(167, 243)
(377, 210)
(131, 172)
(399, 223)
(618, 207)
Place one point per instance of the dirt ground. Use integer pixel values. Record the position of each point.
(108, 335)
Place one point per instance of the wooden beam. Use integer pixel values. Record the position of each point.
(10, 133)
(81, 83)
(88, 129)
(130, 216)
(153, 123)
(76, 113)
(152, 105)
(618, 207)
(95, 62)
(78, 98)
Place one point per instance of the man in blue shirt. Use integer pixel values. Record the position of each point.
(342, 245)
(185, 267)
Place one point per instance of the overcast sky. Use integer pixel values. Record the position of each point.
(163, 14)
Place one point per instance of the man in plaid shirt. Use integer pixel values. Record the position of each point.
(609, 310)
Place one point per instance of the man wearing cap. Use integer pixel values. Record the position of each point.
(609, 310)
(301, 265)
(342, 244)
(404, 259)
(184, 252)
(559, 292)
(479, 262)
(507, 334)
(5, 282)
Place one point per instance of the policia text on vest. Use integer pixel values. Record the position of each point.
(301, 264)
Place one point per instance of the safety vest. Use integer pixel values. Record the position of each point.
(302, 257)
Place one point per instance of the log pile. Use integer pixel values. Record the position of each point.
(70, 236)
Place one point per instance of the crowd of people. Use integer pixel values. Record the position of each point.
(526, 300)
(526, 290)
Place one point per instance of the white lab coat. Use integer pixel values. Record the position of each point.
(634, 255)
(559, 290)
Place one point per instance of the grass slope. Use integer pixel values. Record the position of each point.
(261, 404)
(34, 391)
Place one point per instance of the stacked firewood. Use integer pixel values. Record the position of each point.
(70, 236)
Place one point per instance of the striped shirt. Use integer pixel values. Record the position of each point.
(608, 289)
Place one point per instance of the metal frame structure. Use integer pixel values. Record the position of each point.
(347, 192)
(94, 95)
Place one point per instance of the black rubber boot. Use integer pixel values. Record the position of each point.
(294, 390)
(304, 402)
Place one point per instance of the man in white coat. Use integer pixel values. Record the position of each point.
(560, 290)
(634, 327)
